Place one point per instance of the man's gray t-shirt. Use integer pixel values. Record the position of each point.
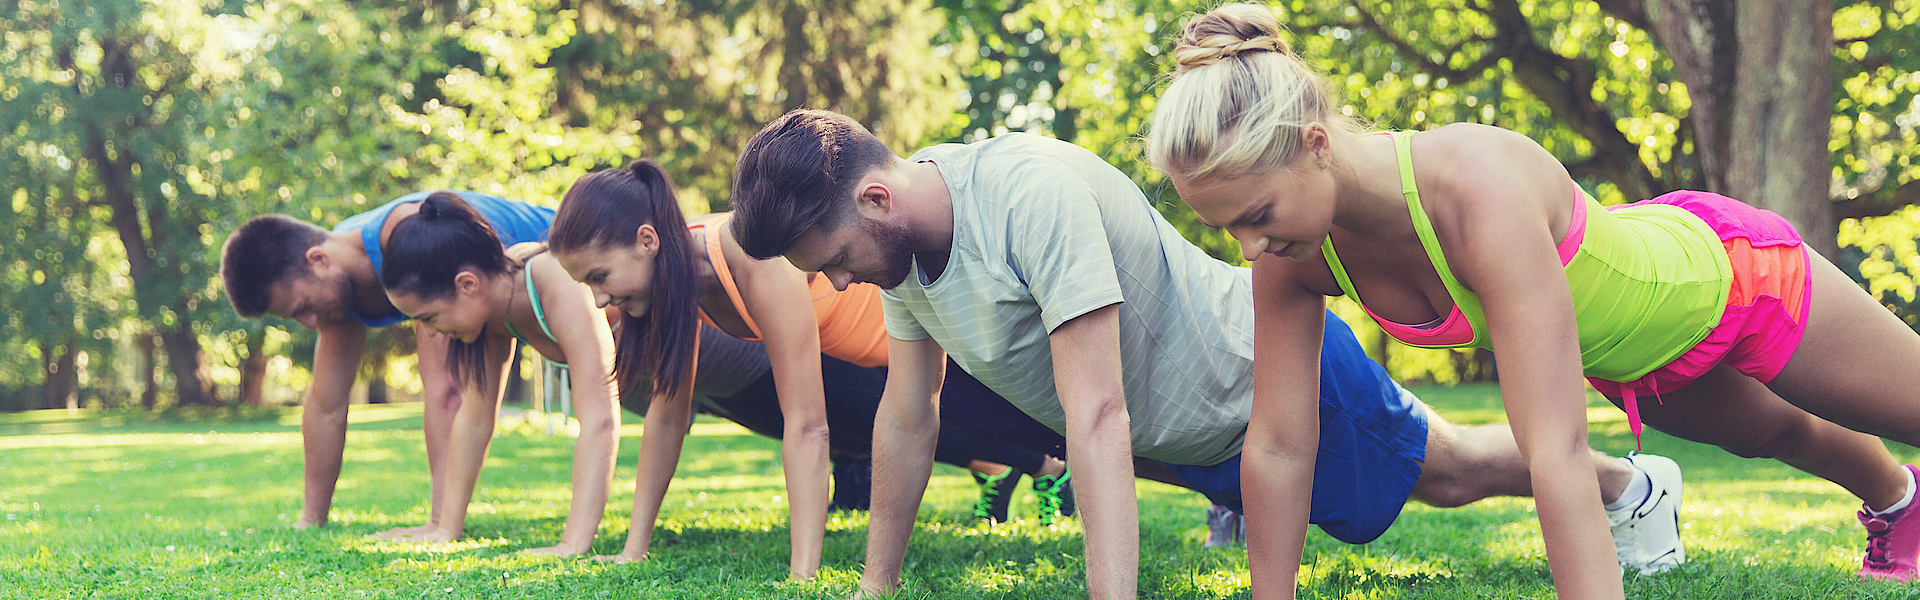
(1045, 231)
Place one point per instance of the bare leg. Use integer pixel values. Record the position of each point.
(1856, 367)
(1744, 417)
(986, 468)
(1467, 464)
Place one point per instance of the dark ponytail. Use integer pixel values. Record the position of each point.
(606, 209)
(428, 248)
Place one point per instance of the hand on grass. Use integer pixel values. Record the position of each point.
(621, 558)
(869, 591)
(560, 550)
(398, 532)
(431, 536)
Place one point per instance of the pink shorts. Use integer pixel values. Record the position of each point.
(1767, 305)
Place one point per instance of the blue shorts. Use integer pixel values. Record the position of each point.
(1373, 439)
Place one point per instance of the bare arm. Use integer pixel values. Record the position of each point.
(1086, 371)
(1283, 436)
(323, 418)
(905, 430)
(581, 331)
(663, 434)
(471, 433)
(1499, 238)
(776, 294)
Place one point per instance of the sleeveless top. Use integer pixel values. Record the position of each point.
(852, 324)
(724, 366)
(1648, 283)
(514, 222)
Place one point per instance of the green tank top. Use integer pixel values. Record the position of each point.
(1649, 281)
(538, 314)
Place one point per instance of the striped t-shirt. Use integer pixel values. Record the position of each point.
(1045, 231)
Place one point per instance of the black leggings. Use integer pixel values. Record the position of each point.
(975, 424)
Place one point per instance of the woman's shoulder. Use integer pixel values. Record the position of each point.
(546, 271)
(709, 219)
(1468, 158)
(1469, 140)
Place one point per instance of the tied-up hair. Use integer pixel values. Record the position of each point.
(605, 210)
(1239, 98)
(428, 248)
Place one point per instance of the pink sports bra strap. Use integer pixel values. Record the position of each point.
(1576, 228)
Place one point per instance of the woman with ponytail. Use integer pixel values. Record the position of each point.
(622, 233)
(1474, 236)
(445, 268)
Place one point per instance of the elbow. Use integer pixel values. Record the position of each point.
(601, 425)
(324, 412)
(1106, 415)
(808, 431)
(447, 398)
(1556, 451)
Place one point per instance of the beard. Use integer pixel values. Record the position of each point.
(347, 295)
(894, 244)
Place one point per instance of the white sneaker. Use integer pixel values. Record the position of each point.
(1646, 536)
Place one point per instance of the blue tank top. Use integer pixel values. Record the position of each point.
(515, 222)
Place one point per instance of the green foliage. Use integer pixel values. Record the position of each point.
(325, 108)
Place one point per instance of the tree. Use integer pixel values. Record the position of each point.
(1760, 78)
(119, 90)
(1593, 81)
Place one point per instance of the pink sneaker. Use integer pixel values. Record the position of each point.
(1893, 542)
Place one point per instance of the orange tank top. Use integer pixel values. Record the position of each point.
(853, 327)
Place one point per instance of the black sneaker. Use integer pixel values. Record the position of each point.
(1056, 495)
(852, 486)
(996, 495)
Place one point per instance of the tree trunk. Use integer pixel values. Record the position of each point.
(377, 391)
(1760, 76)
(253, 370)
(187, 365)
(60, 388)
(149, 361)
(156, 289)
(1782, 115)
(793, 78)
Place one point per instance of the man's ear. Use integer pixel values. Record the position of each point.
(873, 199)
(317, 258)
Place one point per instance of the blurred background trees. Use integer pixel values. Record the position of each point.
(135, 134)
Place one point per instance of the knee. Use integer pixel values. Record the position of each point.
(1782, 440)
(446, 401)
(1449, 491)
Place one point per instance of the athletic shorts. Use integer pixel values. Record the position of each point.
(1373, 439)
(1767, 306)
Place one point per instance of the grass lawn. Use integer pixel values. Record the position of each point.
(127, 506)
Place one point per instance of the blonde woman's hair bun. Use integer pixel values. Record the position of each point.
(1226, 32)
